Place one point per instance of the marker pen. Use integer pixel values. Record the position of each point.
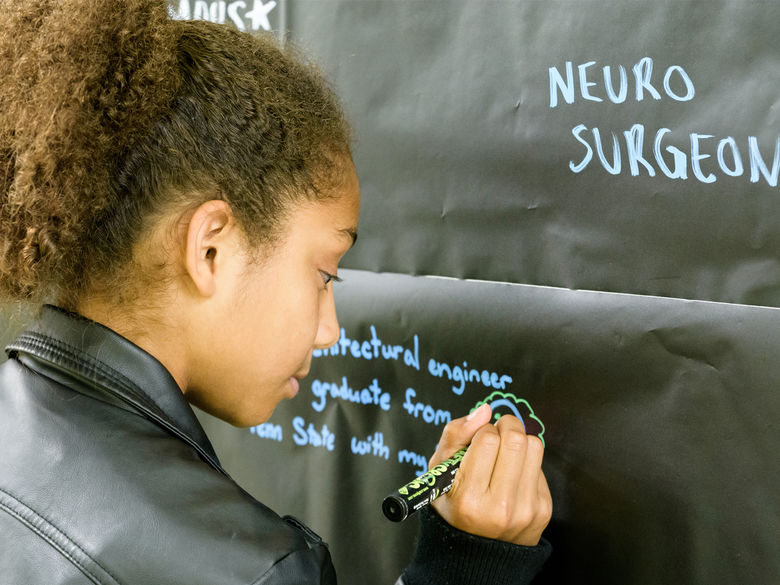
(437, 481)
(422, 491)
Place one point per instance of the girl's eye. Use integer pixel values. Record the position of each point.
(327, 277)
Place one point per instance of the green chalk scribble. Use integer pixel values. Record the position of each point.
(512, 402)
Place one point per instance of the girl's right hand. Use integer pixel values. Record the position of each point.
(499, 491)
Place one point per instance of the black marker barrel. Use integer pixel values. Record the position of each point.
(423, 490)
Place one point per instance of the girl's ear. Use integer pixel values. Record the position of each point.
(211, 238)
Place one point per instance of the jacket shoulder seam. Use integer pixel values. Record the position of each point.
(115, 382)
(57, 538)
(67, 351)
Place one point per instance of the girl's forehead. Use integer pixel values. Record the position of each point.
(331, 221)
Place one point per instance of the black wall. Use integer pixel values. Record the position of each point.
(632, 308)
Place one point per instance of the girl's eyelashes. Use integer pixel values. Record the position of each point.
(327, 277)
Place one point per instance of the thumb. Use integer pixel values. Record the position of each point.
(459, 432)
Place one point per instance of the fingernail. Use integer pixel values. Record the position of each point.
(474, 412)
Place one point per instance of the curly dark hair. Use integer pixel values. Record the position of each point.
(110, 110)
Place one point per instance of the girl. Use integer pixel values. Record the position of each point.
(182, 194)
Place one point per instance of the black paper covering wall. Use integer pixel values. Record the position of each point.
(660, 414)
(625, 147)
(466, 167)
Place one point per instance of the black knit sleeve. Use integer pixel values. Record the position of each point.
(448, 556)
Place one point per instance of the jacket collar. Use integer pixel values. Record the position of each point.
(97, 361)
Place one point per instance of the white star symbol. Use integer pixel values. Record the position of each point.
(259, 14)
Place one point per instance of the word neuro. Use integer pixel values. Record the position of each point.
(700, 156)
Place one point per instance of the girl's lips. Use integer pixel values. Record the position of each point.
(295, 385)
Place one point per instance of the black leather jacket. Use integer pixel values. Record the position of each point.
(107, 477)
